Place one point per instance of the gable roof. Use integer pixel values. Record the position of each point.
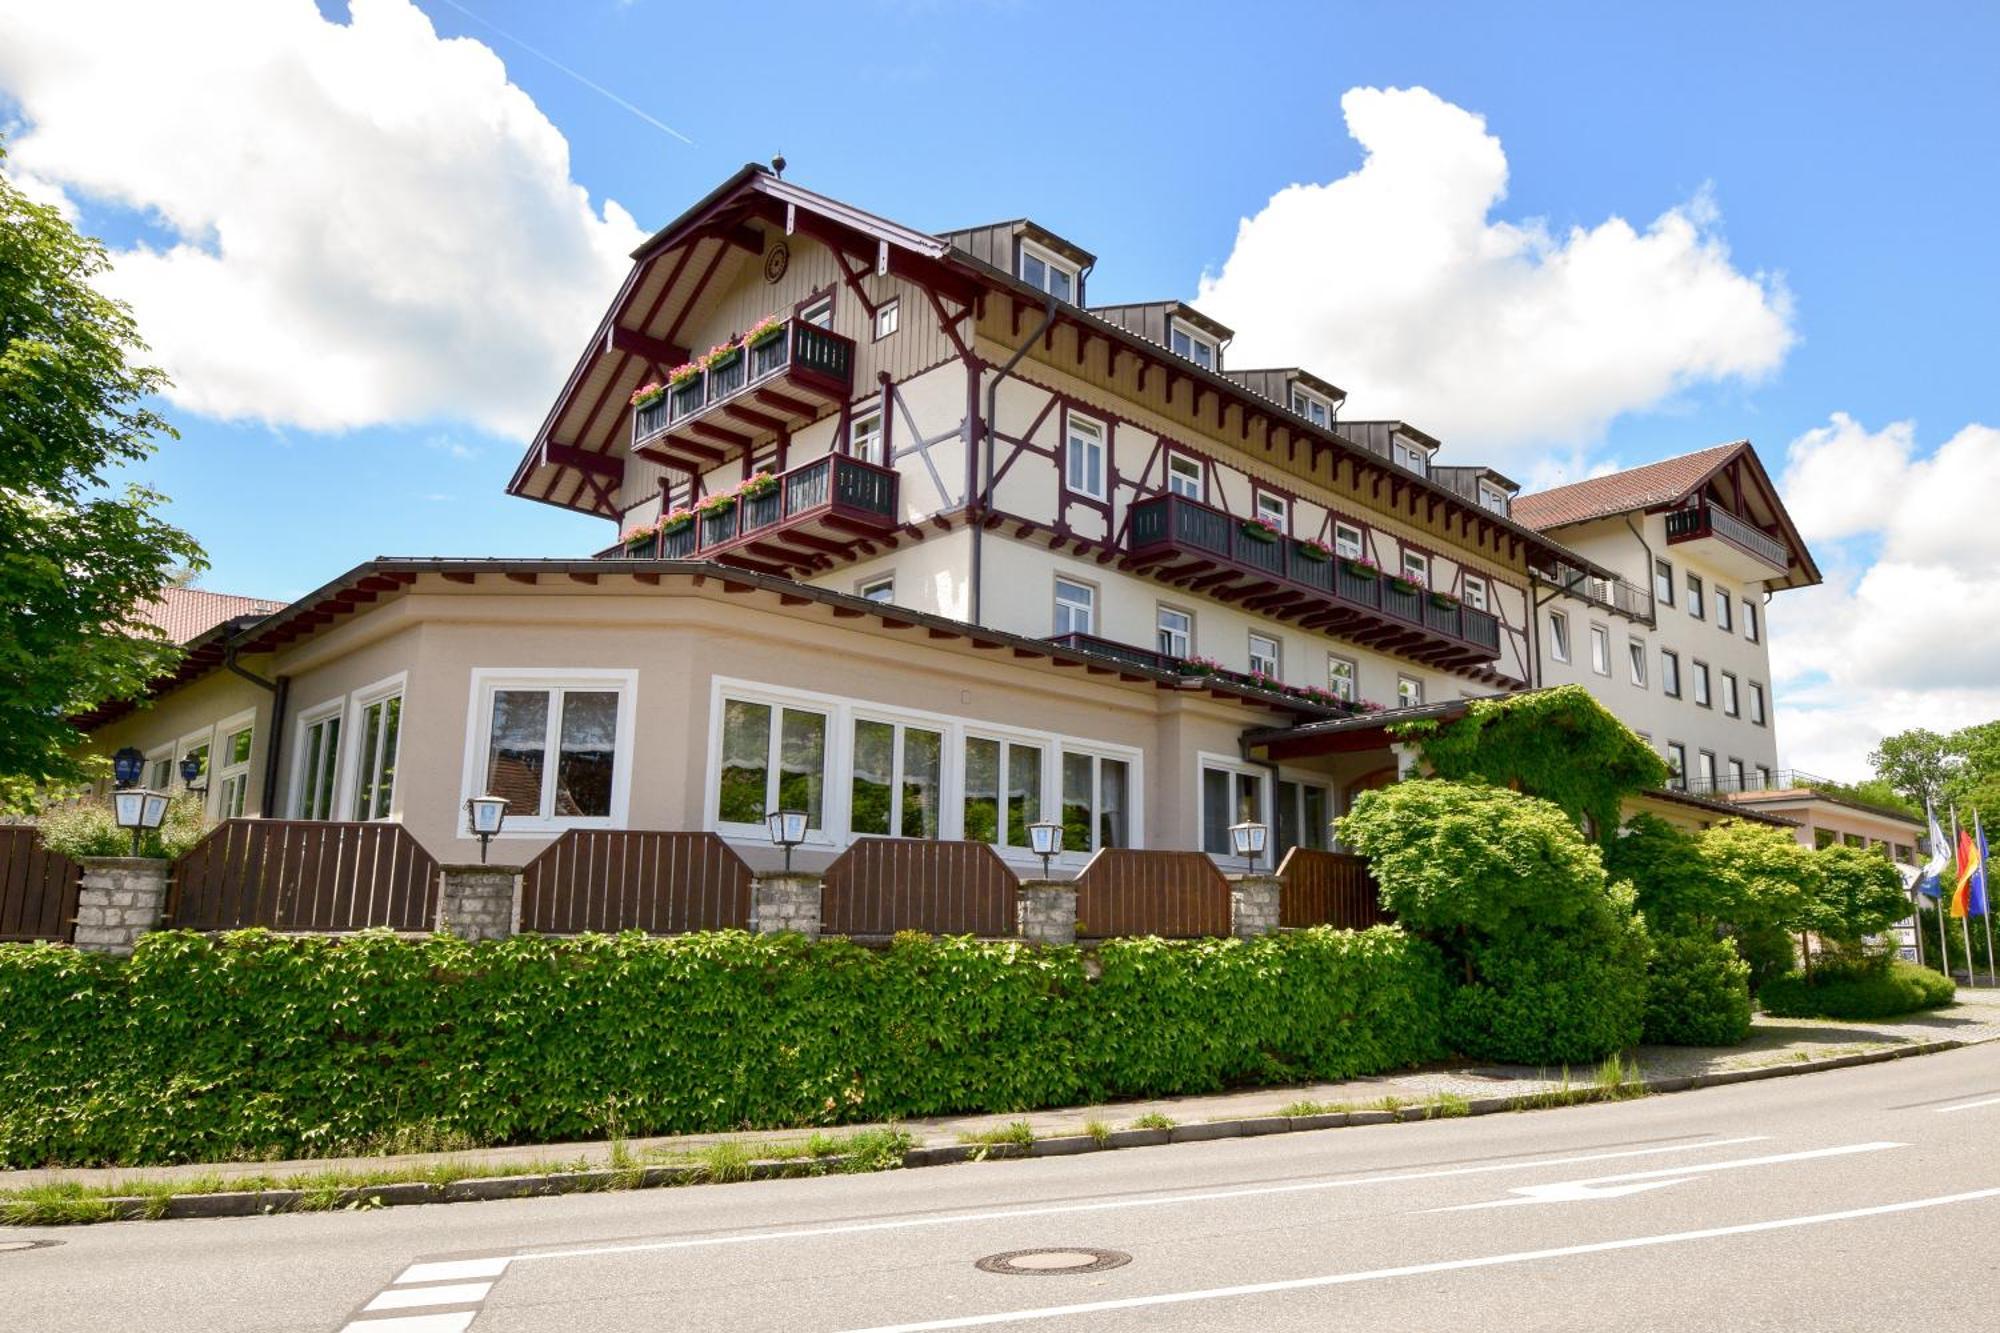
(1667, 482)
(185, 614)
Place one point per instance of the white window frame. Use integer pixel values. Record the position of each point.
(1007, 741)
(1236, 768)
(865, 444)
(1492, 498)
(1416, 689)
(820, 306)
(1410, 458)
(1475, 593)
(1275, 508)
(949, 780)
(1026, 249)
(1559, 641)
(478, 733)
(1635, 660)
(220, 773)
(1301, 781)
(1096, 438)
(1089, 605)
(1178, 328)
(1276, 656)
(1180, 483)
(1417, 567)
(358, 703)
(329, 710)
(203, 740)
(160, 754)
(867, 589)
(1352, 692)
(1183, 636)
(1342, 530)
(1311, 400)
(887, 317)
(1600, 649)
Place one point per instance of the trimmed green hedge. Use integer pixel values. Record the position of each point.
(1873, 992)
(1697, 992)
(255, 1045)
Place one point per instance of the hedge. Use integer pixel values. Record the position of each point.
(1697, 992)
(1868, 992)
(254, 1045)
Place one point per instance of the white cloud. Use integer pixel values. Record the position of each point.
(367, 223)
(1397, 283)
(1906, 630)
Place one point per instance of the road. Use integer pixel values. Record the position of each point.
(1855, 1199)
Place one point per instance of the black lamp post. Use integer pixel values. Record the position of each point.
(1248, 840)
(1046, 839)
(137, 809)
(788, 830)
(483, 817)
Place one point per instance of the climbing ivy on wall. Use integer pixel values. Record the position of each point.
(1558, 744)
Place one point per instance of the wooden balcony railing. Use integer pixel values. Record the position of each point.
(1180, 539)
(1705, 519)
(783, 382)
(812, 508)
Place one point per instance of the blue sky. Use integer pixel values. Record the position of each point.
(1841, 153)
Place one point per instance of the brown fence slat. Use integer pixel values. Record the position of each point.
(1129, 891)
(634, 879)
(1328, 889)
(304, 875)
(38, 888)
(879, 886)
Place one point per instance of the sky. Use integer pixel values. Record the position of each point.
(368, 240)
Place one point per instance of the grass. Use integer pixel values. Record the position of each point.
(1446, 1106)
(1098, 1130)
(1305, 1108)
(1017, 1133)
(1389, 1104)
(1616, 1080)
(1153, 1120)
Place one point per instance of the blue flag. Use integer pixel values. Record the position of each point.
(1929, 882)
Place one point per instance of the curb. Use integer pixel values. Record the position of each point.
(252, 1203)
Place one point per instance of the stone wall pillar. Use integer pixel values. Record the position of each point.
(1253, 905)
(1048, 911)
(120, 899)
(785, 900)
(479, 902)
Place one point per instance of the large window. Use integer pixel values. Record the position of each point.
(1083, 457)
(1196, 347)
(1735, 771)
(1228, 796)
(1347, 541)
(1003, 790)
(1184, 476)
(1312, 407)
(773, 758)
(552, 751)
(1076, 607)
(1343, 677)
(1040, 268)
(319, 762)
(1304, 817)
(864, 439)
(1559, 636)
(898, 782)
(1175, 632)
(1704, 771)
(1409, 691)
(1273, 510)
(378, 729)
(1096, 802)
(232, 769)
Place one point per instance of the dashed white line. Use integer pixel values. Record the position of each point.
(1968, 1106)
(452, 1270)
(409, 1298)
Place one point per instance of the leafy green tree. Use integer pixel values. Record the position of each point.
(1763, 878)
(1858, 894)
(1665, 867)
(77, 558)
(1918, 763)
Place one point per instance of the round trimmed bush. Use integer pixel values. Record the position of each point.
(1544, 999)
(1879, 990)
(1697, 992)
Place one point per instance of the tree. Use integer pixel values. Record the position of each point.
(1917, 763)
(77, 559)
(1859, 893)
(1664, 864)
(1762, 876)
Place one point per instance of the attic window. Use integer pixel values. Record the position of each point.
(1492, 497)
(1196, 347)
(1041, 269)
(1410, 457)
(1311, 406)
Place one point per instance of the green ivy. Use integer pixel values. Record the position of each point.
(255, 1045)
(1559, 744)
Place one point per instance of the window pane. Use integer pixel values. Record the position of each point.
(1288, 816)
(1024, 792)
(923, 781)
(329, 767)
(517, 750)
(874, 774)
(589, 739)
(1059, 284)
(746, 762)
(1112, 782)
(1314, 821)
(1034, 272)
(1078, 778)
(1215, 811)
(982, 789)
(802, 764)
(238, 747)
(385, 776)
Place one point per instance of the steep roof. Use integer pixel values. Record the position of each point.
(1666, 482)
(185, 614)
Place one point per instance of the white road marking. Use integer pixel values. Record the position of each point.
(1157, 1201)
(456, 1322)
(452, 1270)
(1418, 1270)
(408, 1298)
(1607, 1187)
(1968, 1106)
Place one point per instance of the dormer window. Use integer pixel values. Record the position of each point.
(1196, 347)
(1312, 407)
(1041, 269)
(1410, 457)
(1493, 498)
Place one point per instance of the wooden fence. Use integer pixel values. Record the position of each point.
(879, 886)
(616, 879)
(1125, 891)
(304, 875)
(38, 887)
(1328, 889)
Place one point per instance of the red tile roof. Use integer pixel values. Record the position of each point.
(183, 614)
(1661, 483)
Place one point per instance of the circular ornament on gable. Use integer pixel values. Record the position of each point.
(776, 260)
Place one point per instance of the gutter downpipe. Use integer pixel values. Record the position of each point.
(281, 691)
(1652, 573)
(986, 434)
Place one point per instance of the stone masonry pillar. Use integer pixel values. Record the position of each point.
(1253, 905)
(479, 902)
(785, 900)
(1048, 911)
(120, 898)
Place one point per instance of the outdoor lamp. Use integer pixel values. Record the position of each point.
(788, 830)
(483, 817)
(1046, 839)
(1248, 840)
(127, 766)
(191, 772)
(138, 809)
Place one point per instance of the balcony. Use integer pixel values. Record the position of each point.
(1185, 542)
(1613, 595)
(818, 512)
(1729, 544)
(777, 385)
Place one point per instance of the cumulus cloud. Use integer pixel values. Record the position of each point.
(1399, 284)
(1906, 630)
(357, 223)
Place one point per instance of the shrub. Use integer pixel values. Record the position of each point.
(1665, 868)
(266, 1046)
(1763, 876)
(89, 828)
(1878, 990)
(1568, 998)
(1859, 893)
(1771, 952)
(1697, 992)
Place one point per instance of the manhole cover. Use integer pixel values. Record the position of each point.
(1049, 1262)
(7, 1246)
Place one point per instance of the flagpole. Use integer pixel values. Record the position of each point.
(1985, 896)
(1963, 927)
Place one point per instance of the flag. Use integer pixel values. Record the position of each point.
(1932, 879)
(1968, 867)
(1977, 899)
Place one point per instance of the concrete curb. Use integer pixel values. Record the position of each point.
(251, 1203)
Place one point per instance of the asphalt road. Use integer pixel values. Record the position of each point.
(1857, 1199)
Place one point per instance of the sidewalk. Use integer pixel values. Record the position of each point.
(1975, 1018)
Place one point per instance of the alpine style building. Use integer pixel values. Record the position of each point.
(925, 544)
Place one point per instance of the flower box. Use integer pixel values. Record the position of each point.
(1261, 530)
(716, 504)
(763, 483)
(1361, 568)
(763, 331)
(636, 538)
(720, 355)
(1444, 601)
(676, 521)
(1316, 551)
(1406, 586)
(648, 394)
